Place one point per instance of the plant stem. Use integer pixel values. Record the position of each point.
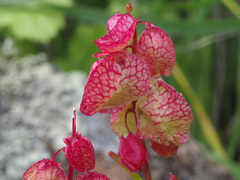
(147, 171)
(53, 158)
(134, 44)
(74, 123)
(126, 120)
(70, 172)
(70, 168)
(146, 167)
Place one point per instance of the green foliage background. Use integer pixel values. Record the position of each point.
(206, 34)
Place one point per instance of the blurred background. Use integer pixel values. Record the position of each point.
(206, 34)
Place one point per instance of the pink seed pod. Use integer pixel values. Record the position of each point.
(157, 50)
(165, 151)
(79, 152)
(121, 28)
(92, 176)
(164, 115)
(132, 153)
(114, 82)
(45, 170)
(173, 177)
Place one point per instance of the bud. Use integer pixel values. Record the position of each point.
(128, 8)
(132, 153)
(45, 170)
(165, 151)
(92, 176)
(79, 152)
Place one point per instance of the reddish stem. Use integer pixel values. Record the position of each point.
(70, 168)
(70, 172)
(134, 110)
(74, 123)
(129, 110)
(53, 158)
(134, 45)
(146, 168)
(147, 171)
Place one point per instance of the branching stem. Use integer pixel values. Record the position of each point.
(53, 158)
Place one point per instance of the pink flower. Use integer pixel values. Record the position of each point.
(114, 81)
(45, 170)
(92, 176)
(121, 28)
(132, 153)
(130, 88)
(79, 152)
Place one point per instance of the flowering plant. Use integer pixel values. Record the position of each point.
(127, 83)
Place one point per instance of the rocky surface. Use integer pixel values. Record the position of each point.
(36, 104)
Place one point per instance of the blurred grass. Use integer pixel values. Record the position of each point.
(206, 36)
(205, 122)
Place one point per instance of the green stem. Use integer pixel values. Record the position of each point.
(205, 122)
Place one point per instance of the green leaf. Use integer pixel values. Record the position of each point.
(65, 3)
(37, 25)
(34, 20)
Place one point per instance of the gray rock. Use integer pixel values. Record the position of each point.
(35, 113)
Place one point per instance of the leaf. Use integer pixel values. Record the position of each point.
(35, 24)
